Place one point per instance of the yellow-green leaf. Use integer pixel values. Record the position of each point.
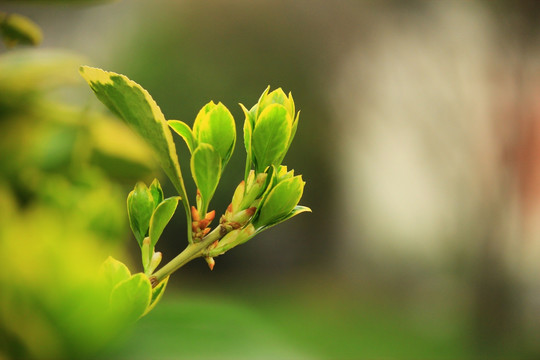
(215, 126)
(248, 131)
(297, 210)
(185, 132)
(157, 192)
(140, 206)
(281, 200)
(160, 218)
(206, 171)
(271, 136)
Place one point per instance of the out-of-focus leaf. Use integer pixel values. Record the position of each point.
(185, 132)
(161, 217)
(206, 171)
(16, 29)
(24, 71)
(114, 272)
(117, 150)
(271, 136)
(281, 200)
(135, 105)
(131, 297)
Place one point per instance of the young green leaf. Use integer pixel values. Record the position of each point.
(185, 132)
(281, 200)
(216, 127)
(130, 298)
(297, 210)
(160, 218)
(275, 97)
(146, 253)
(157, 192)
(248, 132)
(137, 108)
(140, 204)
(201, 115)
(271, 136)
(206, 171)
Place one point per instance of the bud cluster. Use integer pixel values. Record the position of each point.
(199, 226)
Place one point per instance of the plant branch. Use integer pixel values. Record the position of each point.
(192, 251)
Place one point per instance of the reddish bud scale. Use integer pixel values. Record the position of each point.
(194, 214)
(203, 223)
(210, 216)
(200, 226)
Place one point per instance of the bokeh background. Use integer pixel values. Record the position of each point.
(419, 139)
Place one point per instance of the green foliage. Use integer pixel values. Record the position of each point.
(185, 132)
(161, 217)
(206, 170)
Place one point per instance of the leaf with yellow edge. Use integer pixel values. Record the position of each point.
(160, 218)
(182, 129)
(206, 171)
(136, 107)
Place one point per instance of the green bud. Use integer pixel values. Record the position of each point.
(254, 188)
(157, 192)
(282, 174)
(140, 205)
(242, 217)
(154, 262)
(214, 125)
(275, 97)
(232, 239)
(237, 197)
(269, 129)
(281, 200)
(146, 252)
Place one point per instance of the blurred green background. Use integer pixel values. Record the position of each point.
(419, 139)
